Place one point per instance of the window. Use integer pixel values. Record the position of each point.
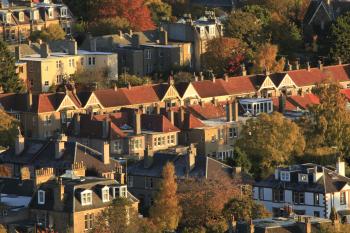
(220, 133)
(57, 64)
(232, 132)
(303, 178)
(105, 194)
(88, 220)
(130, 181)
(47, 120)
(21, 17)
(35, 15)
(148, 54)
(261, 194)
(41, 197)
(317, 214)
(278, 195)
(136, 144)
(91, 61)
(50, 11)
(168, 139)
(148, 182)
(64, 12)
(8, 18)
(86, 197)
(299, 198)
(163, 140)
(316, 199)
(123, 192)
(343, 198)
(285, 176)
(117, 146)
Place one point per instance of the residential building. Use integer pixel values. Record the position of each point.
(144, 53)
(72, 203)
(306, 189)
(47, 68)
(198, 32)
(128, 132)
(144, 176)
(18, 19)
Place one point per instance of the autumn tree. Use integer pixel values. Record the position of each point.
(270, 141)
(8, 129)
(265, 59)
(244, 208)
(159, 10)
(9, 80)
(203, 200)
(108, 26)
(328, 123)
(166, 212)
(239, 159)
(224, 55)
(339, 38)
(125, 80)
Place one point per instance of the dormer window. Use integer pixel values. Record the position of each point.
(34, 15)
(86, 197)
(105, 194)
(121, 191)
(21, 16)
(50, 13)
(303, 178)
(8, 18)
(64, 11)
(41, 197)
(285, 176)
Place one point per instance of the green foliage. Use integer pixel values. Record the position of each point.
(108, 26)
(51, 33)
(261, 13)
(240, 159)
(9, 80)
(8, 129)
(270, 141)
(126, 79)
(166, 212)
(339, 38)
(244, 209)
(183, 77)
(159, 11)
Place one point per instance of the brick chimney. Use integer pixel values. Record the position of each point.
(191, 157)
(137, 121)
(106, 152)
(19, 142)
(244, 70)
(59, 195)
(18, 53)
(148, 157)
(229, 111)
(171, 116)
(44, 50)
(76, 125)
(59, 146)
(297, 65)
(43, 175)
(78, 168)
(320, 65)
(235, 110)
(72, 47)
(163, 36)
(340, 165)
(135, 41)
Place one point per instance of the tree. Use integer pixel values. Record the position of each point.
(166, 211)
(203, 200)
(119, 217)
(159, 10)
(265, 59)
(224, 55)
(182, 76)
(108, 26)
(126, 79)
(270, 141)
(243, 209)
(328, 123)
(8, 130)
(244, 26)
(240, 159)
(51, 33)
(339, 38)
(9, 80)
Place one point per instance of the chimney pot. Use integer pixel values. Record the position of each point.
(137, 122)
(340, 167)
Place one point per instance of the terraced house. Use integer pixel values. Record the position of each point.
(18, 19)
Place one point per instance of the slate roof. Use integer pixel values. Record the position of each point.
(72, 189)
(329, 182)
(12, 186)
(41, 153)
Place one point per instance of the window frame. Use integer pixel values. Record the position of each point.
(86, 197)
(342, 198)
(41, 197)
(105, 194)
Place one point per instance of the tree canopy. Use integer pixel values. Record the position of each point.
(9, 80)
(270, 141)
(8, 129)
(51, 33)
(339, 38)
(265, 59)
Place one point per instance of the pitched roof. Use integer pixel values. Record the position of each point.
(206, 111)
(158, 123)
(346, 93)
(192, 122)
(182, 87)
(304, 77)
(208, 88)
(305, 101)
(338, 73)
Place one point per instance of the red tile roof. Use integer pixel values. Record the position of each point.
(305, 101)
(192, 122)
(207, 111)
(338, 73)
(346, 93)
(289, 106)
(239, 85)
(157, 123)
(304, 77)
(208, 88)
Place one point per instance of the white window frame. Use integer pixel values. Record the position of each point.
(41, 197)
(50, 13)
(8, 18)
(64, 11)
(301, 178)
(105, 194)
(285, 176)
(86, 197)
(232, 132)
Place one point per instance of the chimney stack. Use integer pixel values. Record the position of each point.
(297, 65)
(137, 121)
(59, 146)
(339, 61)
(18, 53)
(148, 157)
(340, 167)
(289, 66)
(226, 77)
(171, 116)
(105, 152)
(320, 65)
(229, 111)
(76, 124)
(308, 66)
(163, 37)
(59, 194)
(201, 76)
(44, 50)
(105, 128)
(181, 117)
(19, 143)
(93, 47)
(195, 77)
(135, 41)
(235, 110)
(244, 70)
(191, 157)
(72, 47)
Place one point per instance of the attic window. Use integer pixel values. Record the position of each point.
(21, 17)
(64, 11)
(50, 11)
(105, 194)
(120, 192)
(41, 197)
(285, 176)
(86, 197)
